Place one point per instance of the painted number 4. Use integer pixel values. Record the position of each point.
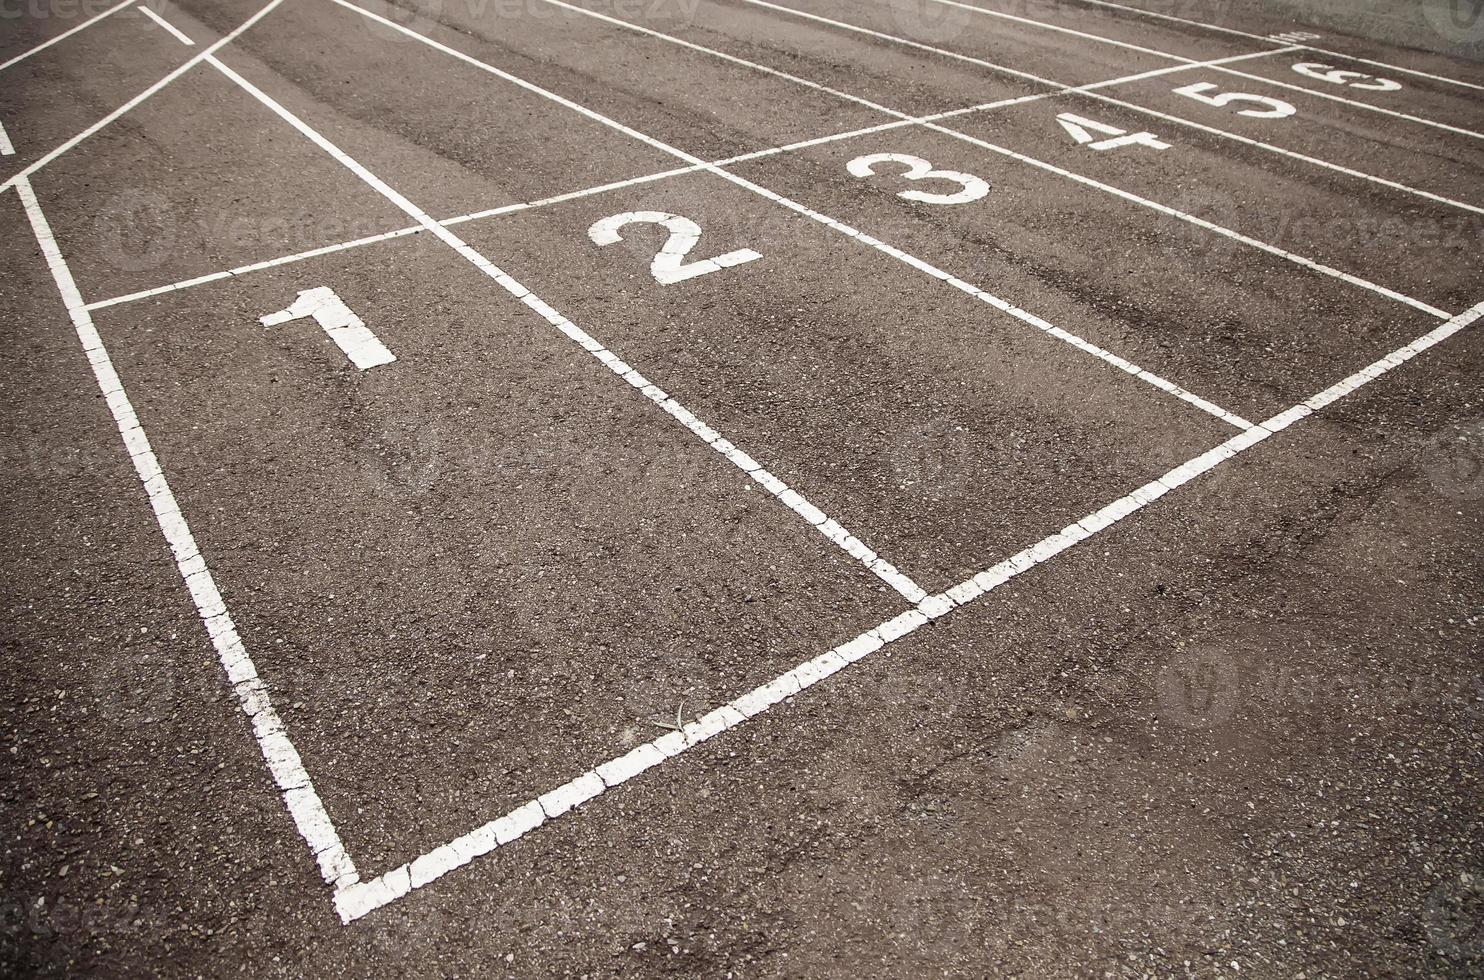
(1082, 130)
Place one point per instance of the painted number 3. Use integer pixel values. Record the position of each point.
(667, 267)
(973, 188)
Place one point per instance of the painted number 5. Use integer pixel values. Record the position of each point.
(684, 233)
(1275, 108)
(919, 169)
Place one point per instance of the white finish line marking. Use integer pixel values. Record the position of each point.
(982, 295)
(252, 695)
(358, 900)
(813, 516)
(179, 35)
(348, 331)
(65, 34)
(7, 148)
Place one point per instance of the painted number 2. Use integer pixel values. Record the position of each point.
(1274, 108)
(1082, 129)
(972, 188)
(667, 267)
(1353, 79)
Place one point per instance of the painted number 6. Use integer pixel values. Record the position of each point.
(919, 169)
(684, 233)
(1354, 79)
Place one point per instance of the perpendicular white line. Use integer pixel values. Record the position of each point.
(283, 761)
(1356, 103)
(982, 295)
(179, 35)
(1202, 223)
(1231, 71)
(1291, 154)
(1109, 189)
(1261, 37)
(65, 34)
(794, 501)
(142, 96)
(6, 147)
(616, 185)
(362, 899)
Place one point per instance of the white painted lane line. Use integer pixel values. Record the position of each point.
(252, 695)
(1218, 63)
(1230, 71)
(1131, 198)
(142, 96)
(1107, 188)
(983, 296)
(631, 182)
(1350, 102)
(255, 267)
(1200, 222)
(1291, 154)
(179, 35)
(353, 903)
(1262, 37)
(7, 148)
(65, 34)
(813, 516)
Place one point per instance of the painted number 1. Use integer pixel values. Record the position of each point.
(350, 333)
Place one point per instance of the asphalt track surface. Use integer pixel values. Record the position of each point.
(1070, 568)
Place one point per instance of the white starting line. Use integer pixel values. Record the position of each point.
(357, 900)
